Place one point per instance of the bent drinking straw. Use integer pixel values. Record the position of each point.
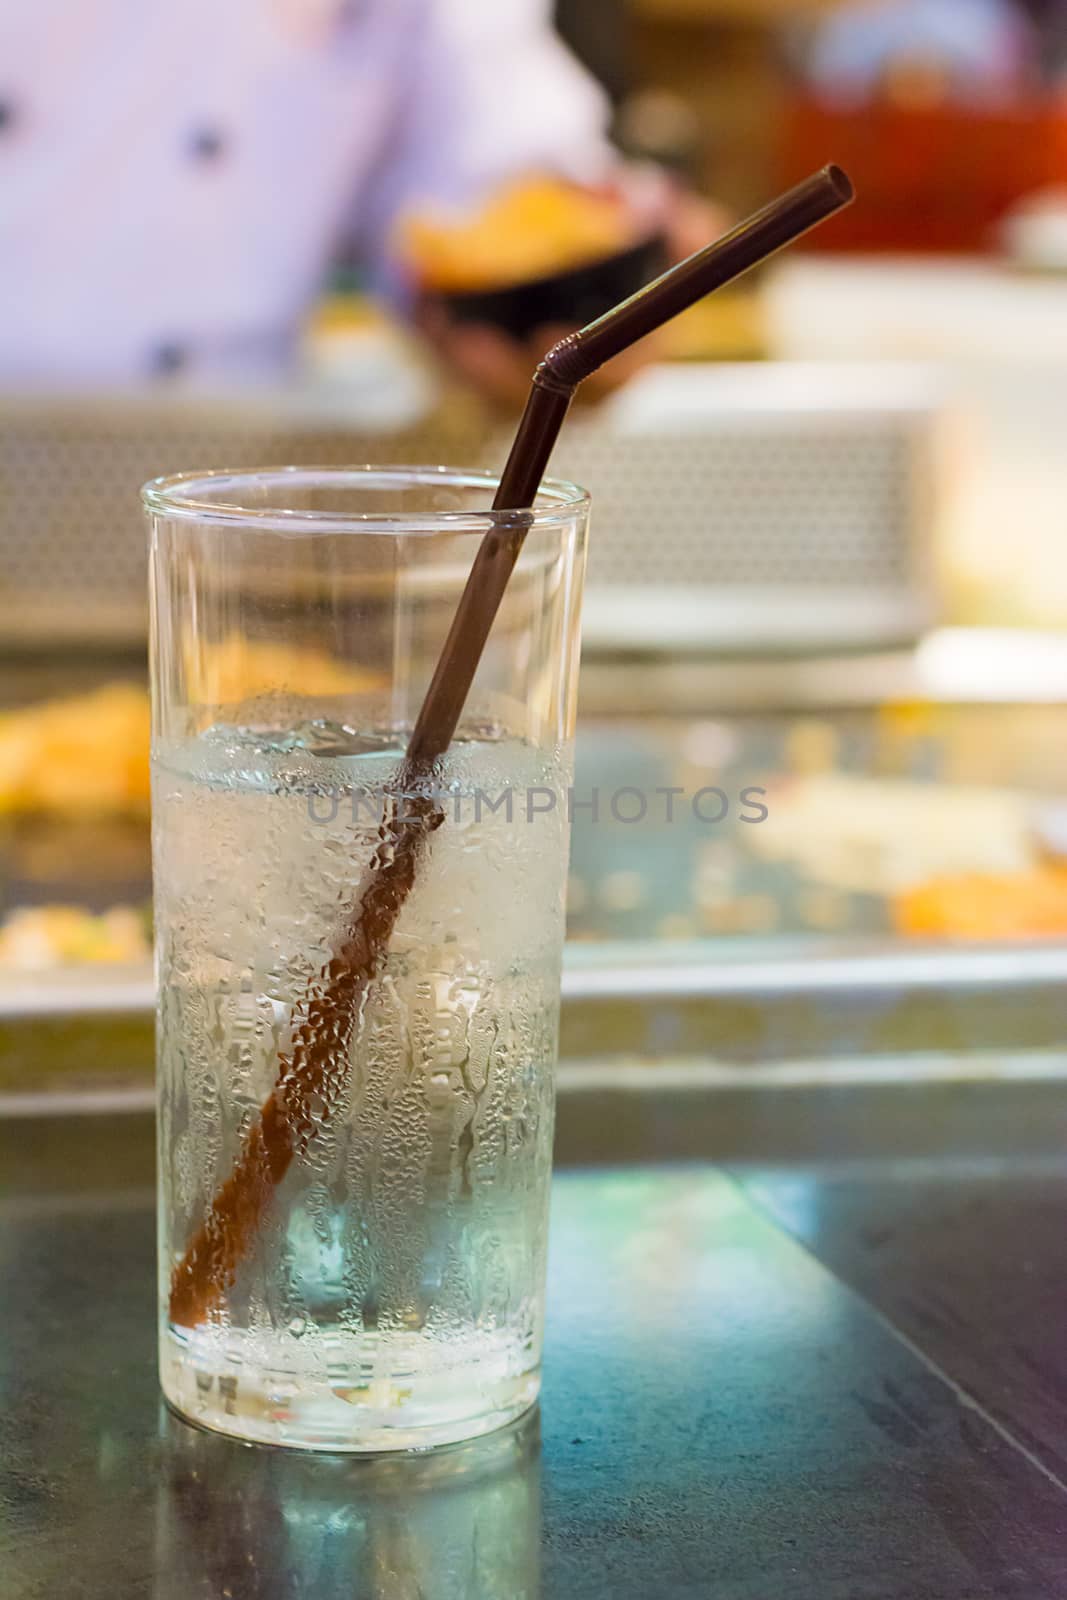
(312, 1075)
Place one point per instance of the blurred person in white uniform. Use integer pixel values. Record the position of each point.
(176, 174)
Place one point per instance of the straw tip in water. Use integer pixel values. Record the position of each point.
(840, 182)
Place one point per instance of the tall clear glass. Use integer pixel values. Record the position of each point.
(389, 1291)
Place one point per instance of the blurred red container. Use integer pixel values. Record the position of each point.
(931, 179)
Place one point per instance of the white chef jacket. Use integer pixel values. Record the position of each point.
(175, 173)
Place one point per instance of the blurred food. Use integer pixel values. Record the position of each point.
(867, 811)
(986, 906)
(36, 937)
(555, 304)
(84, 755)
(542, 255)
(883, 835)
(240, 668)
(88, 755)
(916, 820)
(623, 890)
(355, 352)
(728, 326)
(811, 747)
(824, 910)
(527, 230)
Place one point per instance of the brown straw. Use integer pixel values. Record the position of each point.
(312, 1077)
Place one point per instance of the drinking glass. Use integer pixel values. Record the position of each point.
(389, 1289)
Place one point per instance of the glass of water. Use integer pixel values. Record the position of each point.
(388, 1291)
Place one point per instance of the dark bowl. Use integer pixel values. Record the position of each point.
(567, 299)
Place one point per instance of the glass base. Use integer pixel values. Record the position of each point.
(307, 1412)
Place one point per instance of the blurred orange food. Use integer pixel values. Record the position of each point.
(986, 906)
(237, 669)
(34, 938)
(87, 754)
(526, 231)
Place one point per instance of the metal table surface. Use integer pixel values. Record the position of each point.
(840, 1382)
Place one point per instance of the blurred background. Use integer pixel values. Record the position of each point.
(828, 549)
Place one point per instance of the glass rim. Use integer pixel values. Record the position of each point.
(188, 497)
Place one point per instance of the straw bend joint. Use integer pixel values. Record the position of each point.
(565, 365)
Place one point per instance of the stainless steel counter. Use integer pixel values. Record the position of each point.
(834, 1383)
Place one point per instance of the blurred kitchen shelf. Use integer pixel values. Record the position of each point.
(72, 533)
(738, 505)
(718, 1014)
(748, 508)
(799, 974)
(950, 666)
(954, 666)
